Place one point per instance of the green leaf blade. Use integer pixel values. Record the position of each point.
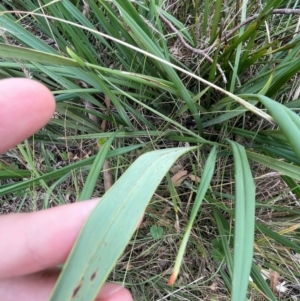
(244, 223)
(206, 178)
(288, 121)
(96, 169)
(280, 166)
(111, 225)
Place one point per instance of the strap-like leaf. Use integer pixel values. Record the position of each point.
(288, 121)
(206, 178)
(111, 225)
(27, 54)
(96, 169)
(282, 167)
(244, 222)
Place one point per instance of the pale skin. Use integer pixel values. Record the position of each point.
(32, 244)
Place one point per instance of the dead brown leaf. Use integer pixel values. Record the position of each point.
(179, 177)
(75, 158)
(194, 178)
(107, 176)
(213, 286)
(70, 155)
(274, 280)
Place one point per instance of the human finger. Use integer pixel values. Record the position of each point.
(40, 240)
(38, 287)
(25, 107)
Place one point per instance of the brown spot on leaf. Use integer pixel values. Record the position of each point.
(93, 276)
(76, 290)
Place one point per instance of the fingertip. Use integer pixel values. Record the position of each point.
(26, 106)
(114, 292)
(43, 234)
(122, 295)
(39, 286)
(23, 91)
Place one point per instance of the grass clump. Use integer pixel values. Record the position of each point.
(130, 77)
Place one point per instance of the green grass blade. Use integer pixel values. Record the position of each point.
(98, 82)
(213, 72)
(14, 174)
(295, 188)
(206, 178)
(96, 169)
(261, 283)
(244, 222)
(288, 121)
(56, 174)
(205, 17)
(174, 195)
(50, 190)
(21, 53)
(284, 76)
(278, 238)
(224, 235)
(266, 87)
(111, 225)
(238, 49)
(83, 20)
(287, 154)
(119, 134)
(216, 20)
(147, 41)
(21, 34)
(280, 166)
(272, 139)
(269, 6)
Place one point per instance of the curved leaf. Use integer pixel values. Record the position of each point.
(204, 184)
(111, 225)
(280, 166)
(244, 222)
(288, 121)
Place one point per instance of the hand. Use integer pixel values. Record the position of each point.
(33, 243)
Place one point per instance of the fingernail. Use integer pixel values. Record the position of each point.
(109, 289)
(115, 290)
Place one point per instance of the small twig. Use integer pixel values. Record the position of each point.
(286, 11)
(107, 176)
(195, 50)
(90, 107)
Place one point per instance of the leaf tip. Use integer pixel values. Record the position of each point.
(172, 279)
